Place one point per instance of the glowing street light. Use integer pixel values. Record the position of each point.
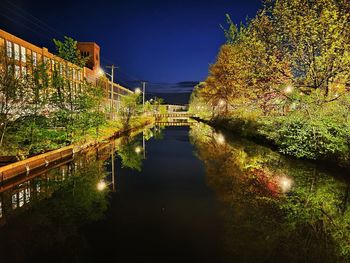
(138, 91)
(288, 89)
(138, 149)
(222, 102)
(101, 72)
(101, 185)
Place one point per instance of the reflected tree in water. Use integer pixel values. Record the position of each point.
(274, 208)
(130, 153)
(64, 201)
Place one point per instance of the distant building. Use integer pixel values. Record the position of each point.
(23, 53)
(172, 108)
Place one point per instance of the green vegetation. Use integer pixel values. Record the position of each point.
(45, 110)
(65, 200)
(284, 77)
(68, 50)
(275, 208)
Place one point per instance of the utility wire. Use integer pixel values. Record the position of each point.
(43, 26)
(42, 35)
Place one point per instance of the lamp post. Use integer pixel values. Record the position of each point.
(102, 72)
(138, 91)
(143, 91)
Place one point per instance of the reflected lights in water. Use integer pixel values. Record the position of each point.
(285, 184)
(220, 138)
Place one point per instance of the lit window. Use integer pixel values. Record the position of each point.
(52, 65)
(21, 198)
(10, 69)
(34, 59)
(24, 71)
(73, 74)
(9, 48)
(17, 69)
(16, 49)
(23, 54)
(61, 69)
(27, 195)
(37, 187)
(14, 201)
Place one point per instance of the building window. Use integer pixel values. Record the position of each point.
(27, 191)
(24, 71)
(73, 74)
(21, 198)
(34, 58)
(61, 69)
(14, 201)
(9, 69)
(16, 49)
(9, 49)
(23, 54)
(17, 69)
(52, 65)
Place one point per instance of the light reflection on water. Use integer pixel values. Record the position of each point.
(240, 203)
(276, 209)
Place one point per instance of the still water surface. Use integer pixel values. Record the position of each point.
(178, 194)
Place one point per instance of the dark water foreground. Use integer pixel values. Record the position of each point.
(179, 194)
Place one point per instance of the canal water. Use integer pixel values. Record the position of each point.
(177, 194)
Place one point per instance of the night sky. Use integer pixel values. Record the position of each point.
(170, 44)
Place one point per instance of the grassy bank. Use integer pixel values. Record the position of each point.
(52, 139)
(298, 137)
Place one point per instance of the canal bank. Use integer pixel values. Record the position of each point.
(254, 131)
(25, 167)
(178, 193)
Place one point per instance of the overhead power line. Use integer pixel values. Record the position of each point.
(39, 27)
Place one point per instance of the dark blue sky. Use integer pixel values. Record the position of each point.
(168, 43)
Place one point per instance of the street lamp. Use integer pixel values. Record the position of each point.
(102, 72)
(138, 91)
(138, 149)
(101, 185)
(288, 89)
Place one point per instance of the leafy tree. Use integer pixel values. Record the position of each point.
(130, 106)
(315, 37)
(68, 50)
(130, 156)
(15, 94)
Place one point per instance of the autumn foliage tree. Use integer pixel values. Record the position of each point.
(287, 72)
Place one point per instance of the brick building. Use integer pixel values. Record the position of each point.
(23, 53)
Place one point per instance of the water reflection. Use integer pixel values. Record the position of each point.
(42, 214)
(275, 209)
